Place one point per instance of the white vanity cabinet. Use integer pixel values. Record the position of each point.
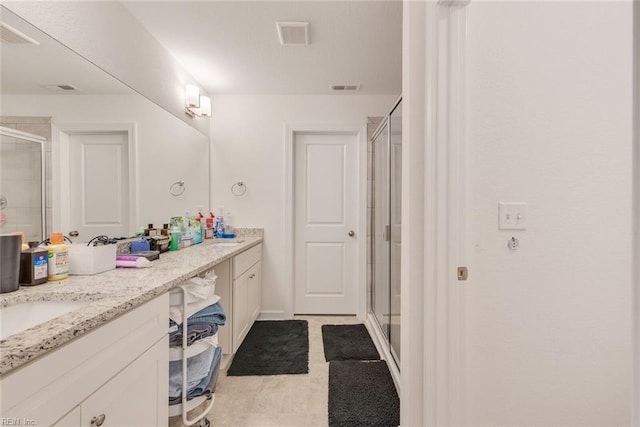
(247, 292)
(239, 286)
(114, 375)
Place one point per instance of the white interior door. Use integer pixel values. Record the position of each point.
(325, 259)
(99, 184)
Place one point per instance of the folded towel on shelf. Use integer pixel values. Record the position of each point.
(175, 311)
(202, 324)
(207, 385)
(198, 368)
(194, 291)
(195, 331)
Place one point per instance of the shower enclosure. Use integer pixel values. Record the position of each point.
(385, 173)
(22, 184)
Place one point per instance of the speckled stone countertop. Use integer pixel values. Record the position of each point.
(109, 295)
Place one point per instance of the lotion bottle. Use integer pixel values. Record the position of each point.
(58, 258)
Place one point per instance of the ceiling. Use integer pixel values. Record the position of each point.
(233, 46)
(32, 69)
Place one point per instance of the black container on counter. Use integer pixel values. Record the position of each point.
(10, 246)
(33, 265)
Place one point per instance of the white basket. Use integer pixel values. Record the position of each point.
(87, 260)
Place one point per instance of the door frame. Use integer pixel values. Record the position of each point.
(61, 214)
(434, 192)
(358, 130)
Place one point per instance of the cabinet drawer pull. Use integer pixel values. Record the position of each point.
(99, 420)
(252, 276)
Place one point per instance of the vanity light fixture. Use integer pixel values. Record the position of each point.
(197, 105)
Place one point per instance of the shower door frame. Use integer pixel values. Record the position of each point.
(384, 126)
(13, 133)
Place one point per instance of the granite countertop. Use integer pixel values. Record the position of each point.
(109, 295)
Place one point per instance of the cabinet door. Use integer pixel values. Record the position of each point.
(137, 396)
(254, 292)
(240, 322)
(224, 291)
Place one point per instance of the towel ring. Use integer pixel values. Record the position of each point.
(177, 188)
(238, 189)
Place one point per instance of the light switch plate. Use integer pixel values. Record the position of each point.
(512, 216)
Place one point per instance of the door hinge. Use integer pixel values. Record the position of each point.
(463, 273)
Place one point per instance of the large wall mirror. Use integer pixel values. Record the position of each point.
(110, 158)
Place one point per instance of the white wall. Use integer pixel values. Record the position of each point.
(248, 144)
(105, 33)
(168, 149)
(549, 123)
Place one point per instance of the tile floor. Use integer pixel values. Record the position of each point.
(278, 400)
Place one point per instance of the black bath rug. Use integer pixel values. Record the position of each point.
(348, 342)
(362, 394)
(273, 347)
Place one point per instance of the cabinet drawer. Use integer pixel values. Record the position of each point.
(243, 261)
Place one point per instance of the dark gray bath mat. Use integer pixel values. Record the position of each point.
(348, 342)
(273, 347)
(362, 394)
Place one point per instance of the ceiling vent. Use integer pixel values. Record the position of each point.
(293, 33)
(345, 88)
(63, 88)
(8, 34)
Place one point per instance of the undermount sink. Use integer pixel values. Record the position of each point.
(19, 317)
(231, 243)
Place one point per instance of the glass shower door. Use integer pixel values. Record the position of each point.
(381, 232)
(395, 132)
(21, 184)
(386, 223)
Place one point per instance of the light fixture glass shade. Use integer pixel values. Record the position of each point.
(205, 107)
(192, 96)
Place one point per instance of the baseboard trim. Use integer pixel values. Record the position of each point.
(381, 345)
(271, 315)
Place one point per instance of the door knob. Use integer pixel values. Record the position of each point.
(99, 420)
(351, 233)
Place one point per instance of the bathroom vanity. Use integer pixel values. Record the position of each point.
(106, 360)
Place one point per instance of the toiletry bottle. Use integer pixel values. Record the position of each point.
(229, 229)
(209, 230)
(220, 228)
(24, 243)
(174, 245)
(215, 227)
(150, 231)
(58, 258)
(33, 265)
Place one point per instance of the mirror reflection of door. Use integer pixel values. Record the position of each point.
(99, 184)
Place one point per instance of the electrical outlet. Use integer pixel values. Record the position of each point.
(512, 216)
